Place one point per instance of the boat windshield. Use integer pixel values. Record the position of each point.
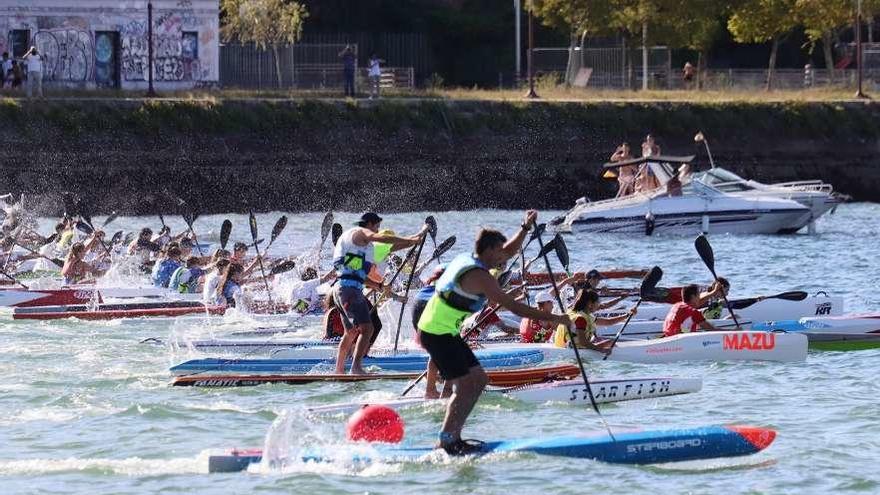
(724, 180)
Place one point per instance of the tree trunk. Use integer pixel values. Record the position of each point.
(829, 57)
(772, 64)
(277, 65)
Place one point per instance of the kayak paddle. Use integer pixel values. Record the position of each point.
(335, 233)
(428, 221)
(284, 266)
(704, 249)
(648, 283)
(225, 231)
(252, 220)
(190, 219)
(276, 231)
(571, 336)
(796, 295)
(110, 218)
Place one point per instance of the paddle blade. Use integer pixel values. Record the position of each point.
(110, 218)
(650, 282)
(87, 218)
(284, 266)
(550, 246)
(225, 231)
(537, 232)
(797, 295)
(336, 233)
(116, 238)
(432, 227)
(128, 238)
(562, 252)
(84, 227)
(704, 249)
(278, 228)
(443, 247)
(252, 221)
(326, 225)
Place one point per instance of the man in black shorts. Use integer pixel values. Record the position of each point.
(463, 289)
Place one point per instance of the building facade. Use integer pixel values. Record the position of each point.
(104, 43)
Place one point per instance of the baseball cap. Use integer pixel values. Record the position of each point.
(594, 274)
(543, 297)
(368, 217)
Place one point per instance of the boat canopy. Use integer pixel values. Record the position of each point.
(652, 159)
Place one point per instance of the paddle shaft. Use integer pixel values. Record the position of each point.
(571, 338)
(253, 225)
(412, 274)
(620, 332)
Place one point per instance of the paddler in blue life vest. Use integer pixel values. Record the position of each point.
(461, 291)
(353, 259)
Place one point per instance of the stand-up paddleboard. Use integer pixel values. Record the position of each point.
(499, 378)
(605, 391)
(399, 363)
(641, 447)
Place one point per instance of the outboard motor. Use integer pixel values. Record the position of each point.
(649, 223)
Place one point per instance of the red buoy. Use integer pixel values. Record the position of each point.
(375, 423)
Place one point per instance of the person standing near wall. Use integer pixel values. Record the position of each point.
(34, 71)
(348, 65)
(375, 75)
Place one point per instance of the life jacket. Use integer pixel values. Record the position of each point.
(162, 273)
(185, 280)
(451, 305)
(713, 310)
(352, 262)
(561, 336)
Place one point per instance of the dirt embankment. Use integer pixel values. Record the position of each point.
(234, 156)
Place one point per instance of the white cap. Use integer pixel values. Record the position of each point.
(543, 297)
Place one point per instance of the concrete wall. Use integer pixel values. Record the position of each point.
(103, 43)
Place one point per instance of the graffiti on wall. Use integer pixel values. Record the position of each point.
(67, 54)
(112, 48)
(175, 47)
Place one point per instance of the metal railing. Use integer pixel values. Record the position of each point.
(300, 66)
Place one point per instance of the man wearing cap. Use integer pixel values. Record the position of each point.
(591, 282)
(533, 331)
(353, 259)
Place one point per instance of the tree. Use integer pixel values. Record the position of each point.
(760, 21)
(264, 23)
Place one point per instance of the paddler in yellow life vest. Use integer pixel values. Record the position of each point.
(462, 290)
(712, 302)
(586, 302)
(353, 259)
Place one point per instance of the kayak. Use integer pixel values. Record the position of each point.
(27, 298)
(768, 309)
(113, 311)
(605, 391)
(499, 378)
(83, 294)
(710, 346)
(639, 447)
(836, 333)
(415, 361)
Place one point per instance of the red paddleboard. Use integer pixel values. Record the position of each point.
(502, 378)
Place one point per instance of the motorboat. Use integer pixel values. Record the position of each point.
(686, 207)
(816, 195)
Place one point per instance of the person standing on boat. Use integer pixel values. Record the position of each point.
(462, 290)
(626, 175)
(353, 258)
(645, 179)
(685, 310)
